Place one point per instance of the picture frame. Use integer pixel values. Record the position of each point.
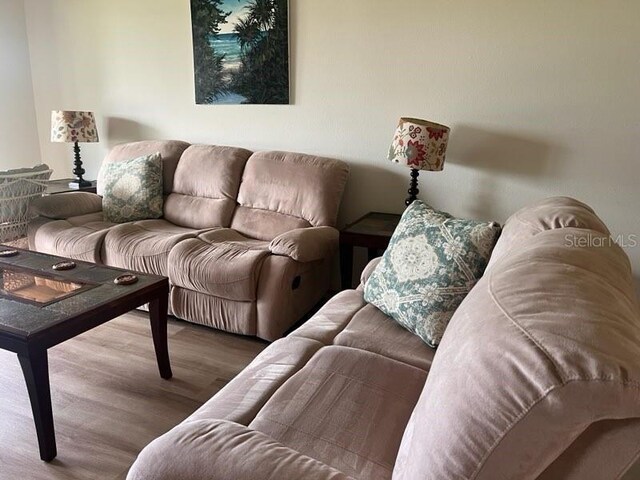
(241, 51)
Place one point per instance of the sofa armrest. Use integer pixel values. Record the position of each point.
(306, 244)
(223, 450)
(368, 270)
(65, 205)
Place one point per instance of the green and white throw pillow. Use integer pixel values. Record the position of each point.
(132, 189)
(432, 262)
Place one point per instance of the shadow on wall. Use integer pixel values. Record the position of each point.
(384, 190)
(498, 156)
(122, 130)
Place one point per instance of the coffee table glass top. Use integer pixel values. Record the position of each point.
(34, 297)
(36, 288)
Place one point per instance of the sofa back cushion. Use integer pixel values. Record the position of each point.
(205, 186)
(545, 345)
(281, 191)
(170, 150)
(547, 214)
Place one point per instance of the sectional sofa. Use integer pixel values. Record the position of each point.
(246, 238)
(537, 377)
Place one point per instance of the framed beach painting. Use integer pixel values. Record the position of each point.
(241, 51)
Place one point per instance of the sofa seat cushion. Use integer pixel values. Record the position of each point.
(221, 263)
(349, 321)
(79, 237)
(245, 395)
(332, 318)
(144, 246)
(372, 330)
(346, 408)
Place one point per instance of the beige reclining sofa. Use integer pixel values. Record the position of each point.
(246, 239)
(537, 377)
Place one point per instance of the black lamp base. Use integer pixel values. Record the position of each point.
(413, 187)
(79, 182)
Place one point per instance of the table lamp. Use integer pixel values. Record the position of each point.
(74, 127)
(420, 145)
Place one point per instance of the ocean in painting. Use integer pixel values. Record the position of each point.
(227, 43)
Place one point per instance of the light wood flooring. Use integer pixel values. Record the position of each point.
(108, 398)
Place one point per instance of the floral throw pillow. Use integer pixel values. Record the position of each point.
(432, 262)
(132, 189)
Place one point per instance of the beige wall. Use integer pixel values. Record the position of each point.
(542, 96)
(19, 145)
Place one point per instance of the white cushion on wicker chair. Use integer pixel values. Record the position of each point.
(17, 188)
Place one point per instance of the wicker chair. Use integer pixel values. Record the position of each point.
(17, 188)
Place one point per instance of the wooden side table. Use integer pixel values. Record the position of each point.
(62, 186)
(373, 232)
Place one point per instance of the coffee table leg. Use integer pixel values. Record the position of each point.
(35, 367)
(158, 318)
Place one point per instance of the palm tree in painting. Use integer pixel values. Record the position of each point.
(206, 17)
(263, 76)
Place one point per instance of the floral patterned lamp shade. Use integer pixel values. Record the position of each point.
(419, 145)
(74, 127)
(70, 127)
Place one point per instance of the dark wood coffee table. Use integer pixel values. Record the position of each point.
(41, 307)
